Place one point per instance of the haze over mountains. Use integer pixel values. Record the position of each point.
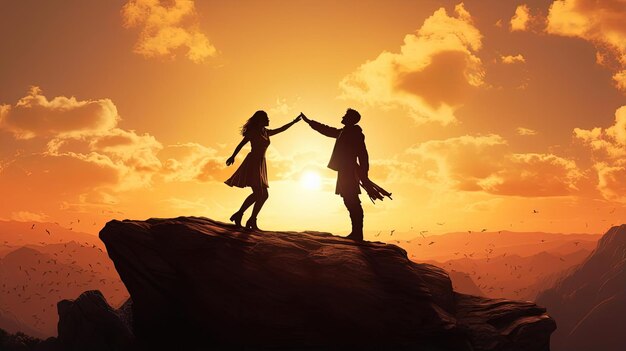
(43, 263)
(502, 264)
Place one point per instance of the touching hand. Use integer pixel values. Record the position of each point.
(230, 161)
(304, 118)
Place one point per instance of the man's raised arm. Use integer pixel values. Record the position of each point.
(322, 128)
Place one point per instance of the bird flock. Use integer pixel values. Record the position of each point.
(489, 268)
(35, 277)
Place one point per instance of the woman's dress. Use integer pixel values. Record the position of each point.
(253, 170)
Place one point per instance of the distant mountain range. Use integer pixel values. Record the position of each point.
(502, 264)
(14, 234)
(37, 269)
(42, 263)
(475, 245)
(589, 303)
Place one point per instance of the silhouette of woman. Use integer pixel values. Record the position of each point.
(253, 170)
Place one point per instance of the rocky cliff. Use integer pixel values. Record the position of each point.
(194, 281)
(589, 303)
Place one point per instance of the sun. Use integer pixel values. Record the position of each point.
(311, 180)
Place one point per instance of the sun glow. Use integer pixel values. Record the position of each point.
(311, 180)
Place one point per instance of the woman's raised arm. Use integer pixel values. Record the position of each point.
(271, 132)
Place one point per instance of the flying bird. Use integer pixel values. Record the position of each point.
(535, 211)
(393, 230)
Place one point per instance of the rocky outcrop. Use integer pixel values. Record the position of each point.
(200, 284)
(498, 324)
(11, 324)
(589, 303)
(18, 342)
(89, 323)
(34, 278)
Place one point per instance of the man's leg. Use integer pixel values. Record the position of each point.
(353, 204)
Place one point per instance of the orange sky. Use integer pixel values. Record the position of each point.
(475, 113)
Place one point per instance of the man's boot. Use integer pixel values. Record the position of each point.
(357, 226)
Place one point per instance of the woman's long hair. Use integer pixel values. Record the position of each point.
(254, 123)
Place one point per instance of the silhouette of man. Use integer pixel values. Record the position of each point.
(349, 148)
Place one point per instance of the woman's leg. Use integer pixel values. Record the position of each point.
(236, 217)
(247, 203)
(261, 194)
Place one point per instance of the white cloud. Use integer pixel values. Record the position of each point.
(486, 163)
(519, 21)
(611, 182)
(611, 141)
(432, 74)
(509, 59)
(166, 29)
(34, 115)
(599, 22)
(609, 147)
(525, 131)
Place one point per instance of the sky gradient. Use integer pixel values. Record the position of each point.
(477, 115)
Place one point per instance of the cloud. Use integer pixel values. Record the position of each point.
(133, 156)
(26, 216)
(484, 205)
(34, 115)
(620, 80)
(519, 21)
(611, 182)
(599, 22)
(167, 29)
(70, 168)
(283, 108)
(432, 75)
(192, 162)
(609, 147)
(41, 182)
(610, 141)
(525, 131)
(64, 150)
(510, 59)
(533, 175)
(486, 163)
